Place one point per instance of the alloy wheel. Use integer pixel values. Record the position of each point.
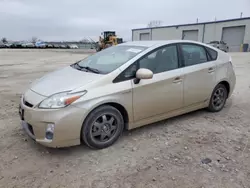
(219, 98)
(104, 128)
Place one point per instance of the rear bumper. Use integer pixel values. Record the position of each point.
(232, 80)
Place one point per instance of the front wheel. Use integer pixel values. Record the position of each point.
(218, 98)
(102, 127)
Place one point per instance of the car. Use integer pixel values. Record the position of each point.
(16, 45)
(2, 45)
(28, 45)
(73, 46)
(220, 45)
(49, 46)
(40, 44)
(124, 87)
(56, 46)
(63, 46)
(8, 45)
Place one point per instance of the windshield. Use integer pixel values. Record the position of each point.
(110, 59)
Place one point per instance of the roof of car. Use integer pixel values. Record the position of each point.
(156, 42)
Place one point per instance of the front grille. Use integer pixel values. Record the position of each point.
(26, 103)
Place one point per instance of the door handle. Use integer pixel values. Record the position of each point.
(211, 69)
(177, 80)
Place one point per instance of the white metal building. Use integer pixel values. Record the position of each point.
(234, 32)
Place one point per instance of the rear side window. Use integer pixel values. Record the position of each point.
(193, 54)
(213, 54)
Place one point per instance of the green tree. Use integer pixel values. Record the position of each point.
(4, 40)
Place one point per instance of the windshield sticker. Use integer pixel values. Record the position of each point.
(134, 50)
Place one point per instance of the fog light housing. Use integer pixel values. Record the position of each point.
(50, 131)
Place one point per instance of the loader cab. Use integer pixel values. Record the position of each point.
(107, 34)
(110, 38)
(107, 39)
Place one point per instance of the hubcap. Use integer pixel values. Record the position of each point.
(219, 98)
(104, 128)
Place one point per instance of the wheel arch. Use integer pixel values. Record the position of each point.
(116, 105)
(122, 110)
(227, 85)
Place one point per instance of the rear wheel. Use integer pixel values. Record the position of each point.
(218, 98)
(102, 127)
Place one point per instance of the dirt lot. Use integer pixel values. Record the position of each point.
(166, 154)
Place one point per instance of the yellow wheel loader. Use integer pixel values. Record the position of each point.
(109, 39)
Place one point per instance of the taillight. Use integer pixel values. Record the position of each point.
(230, 61)
(231, 64)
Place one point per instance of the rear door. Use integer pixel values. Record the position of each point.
(199, 73)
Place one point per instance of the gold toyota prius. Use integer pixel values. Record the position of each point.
(124, 87)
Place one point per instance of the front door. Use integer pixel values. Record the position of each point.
(199, 74)
(162, 93)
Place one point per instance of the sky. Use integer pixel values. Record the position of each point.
(61, 20)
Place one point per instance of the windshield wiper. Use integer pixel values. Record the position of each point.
(90, 69)
(79, 67)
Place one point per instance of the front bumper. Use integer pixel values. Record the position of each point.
(28, 129)
(68, 122)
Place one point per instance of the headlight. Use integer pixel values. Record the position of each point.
(60, 100)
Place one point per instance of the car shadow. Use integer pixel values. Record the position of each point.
(165, 122)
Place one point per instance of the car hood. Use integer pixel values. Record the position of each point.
(65, 79)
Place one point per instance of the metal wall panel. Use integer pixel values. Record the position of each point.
(208, 31)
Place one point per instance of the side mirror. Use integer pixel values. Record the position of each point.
(142, 74)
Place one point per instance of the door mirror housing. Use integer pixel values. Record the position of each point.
(144, 74)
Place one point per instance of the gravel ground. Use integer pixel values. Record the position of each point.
(166, 154)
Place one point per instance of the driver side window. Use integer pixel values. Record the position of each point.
(161, 60)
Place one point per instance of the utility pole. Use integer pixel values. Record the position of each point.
(215, 28)
(197, 20)
(241, 14)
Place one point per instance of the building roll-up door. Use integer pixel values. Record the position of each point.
(144, 36)
(190, 35)
(234, 37)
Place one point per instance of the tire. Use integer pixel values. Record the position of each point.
(100, 123)
(218, 98)
(98, 49)
(108, 45)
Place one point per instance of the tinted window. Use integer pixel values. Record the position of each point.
(111, 58)
(164, 59)
(193, 54)
(213, 54)
(161, 60)
(128, 74)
